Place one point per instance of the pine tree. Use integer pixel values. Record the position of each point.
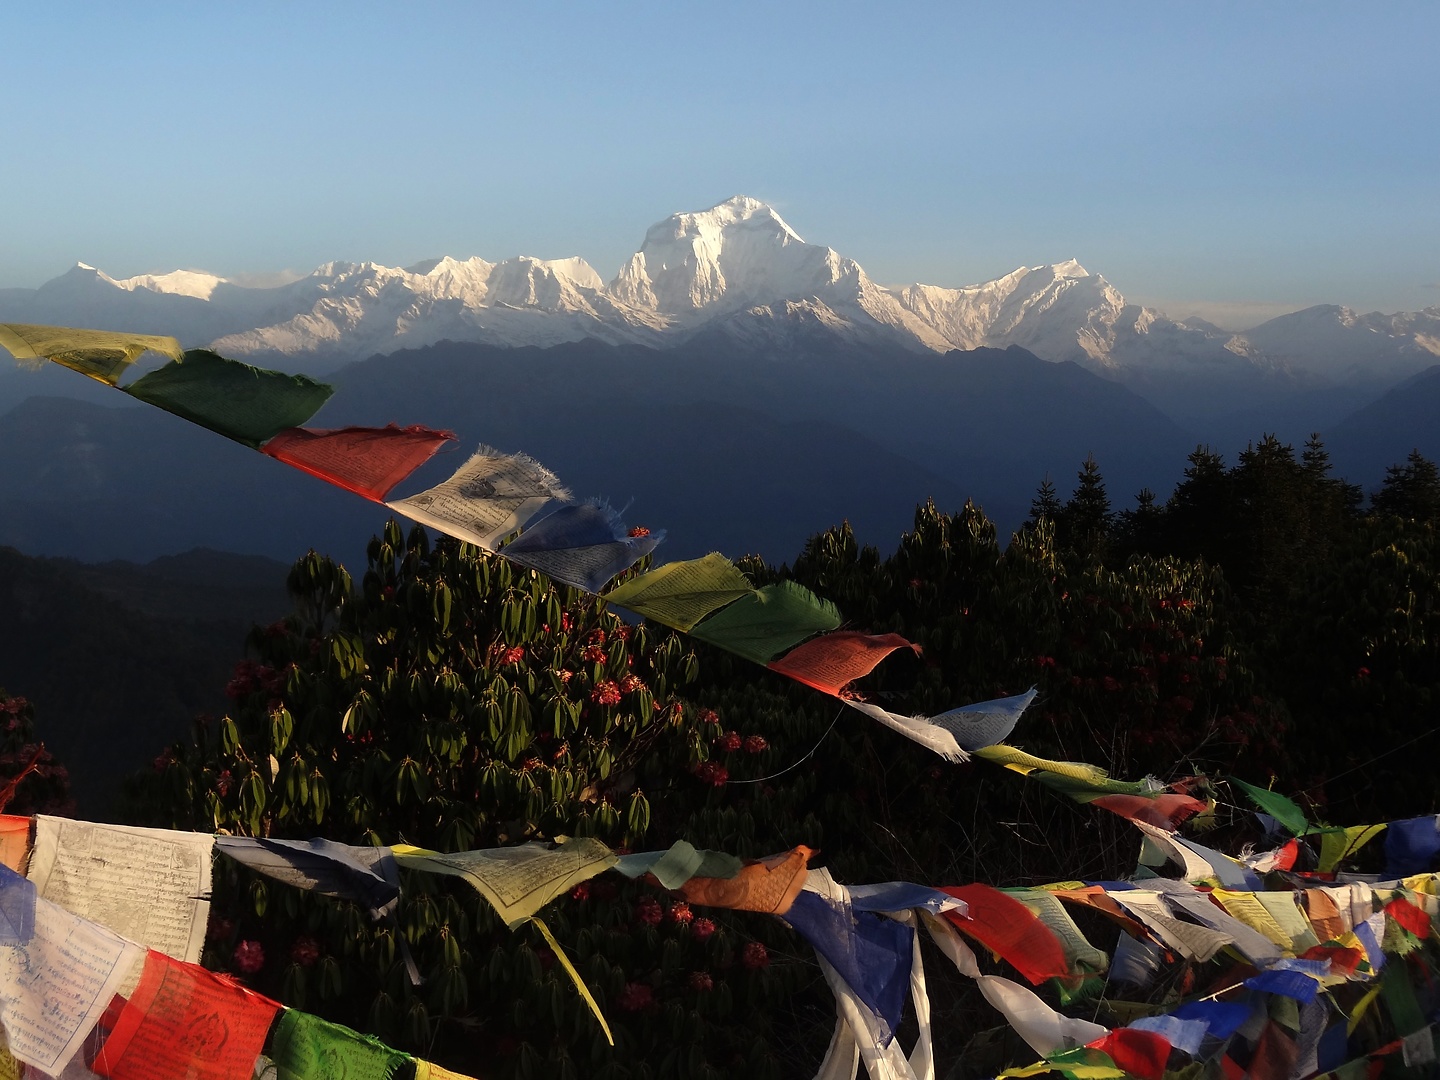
(1411, 490)
(1085, 521)
(1045, 506)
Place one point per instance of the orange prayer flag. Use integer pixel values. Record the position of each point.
(1323, 914)
(185, 1021)
(14, 841)
(769, 885)
(831, 661)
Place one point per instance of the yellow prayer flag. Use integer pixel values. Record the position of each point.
(100, 354)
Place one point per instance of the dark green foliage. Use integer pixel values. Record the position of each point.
(1410, 491)
(32, 781)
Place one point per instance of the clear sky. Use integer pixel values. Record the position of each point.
(1230, 159)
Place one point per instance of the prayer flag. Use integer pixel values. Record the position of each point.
(518, 881)
(762, 624)
(59, 983)
(489, 497)
(185, 1021)
(986, 722)
(680, 594)
(767, 885)
(17, 908)
(366, 875)
(917, 729)
(871, 953)
(366, 460)
(151, 886)
(1139, 1052)
(1047, 1031)
(14, 841)
(584, 546)
(248, 404)
(1283, 810)
(833, 661)
(1293, 984)
(1411, 845)
(1010, 930)
(100, 354)
(677, 865)
(305, 1047)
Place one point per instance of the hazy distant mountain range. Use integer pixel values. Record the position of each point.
(738, 272)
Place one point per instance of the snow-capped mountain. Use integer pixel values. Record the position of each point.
(736, 269)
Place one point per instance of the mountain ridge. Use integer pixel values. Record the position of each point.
(736, 268)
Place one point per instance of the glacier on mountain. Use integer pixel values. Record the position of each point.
(738, 270)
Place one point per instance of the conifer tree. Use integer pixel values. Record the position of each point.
(1045, 506)
(1085, 521)
(1410, 491)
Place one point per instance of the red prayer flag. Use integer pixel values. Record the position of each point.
(1409, 916)
(1163, 811)
(1007, 927)
(368, 461)
(1139, 1053)
(1343, 961)
(185, 1021)
(831, 661)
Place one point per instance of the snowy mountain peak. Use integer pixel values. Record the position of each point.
(177, 283)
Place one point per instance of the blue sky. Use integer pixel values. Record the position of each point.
(1234, 159)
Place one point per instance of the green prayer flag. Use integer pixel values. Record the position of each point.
(763, 624)
(304, 1047)
(1277, 806)
(248, 404)
(679, 864)
(100, 354)
(680, 594)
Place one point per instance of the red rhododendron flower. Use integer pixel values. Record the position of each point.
(755, 744)
(513, 655)
(631, 683)
(681, 914)
(647, 911)
(639, 530)
(709, 716)
(702, 928)
(635, 996)
(701, 982)
(729, 742)
(605, 693)
(593, 654)
(305, 950)
(711, 773)
(249, 957)
(755, 956)
(581, 891)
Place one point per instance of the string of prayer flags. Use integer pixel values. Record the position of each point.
(185, 1021)
(103, 355)
(14, 841)
(1010, 930)
(767, 885)
(1282, 809)
(151, 886)
(761, 624)
(366, 875)
(831, 662)
(59, 983)
(917, 729)
(369, 461)
(304, 1047)
(584, 545)
(1139, 800)
(489, 497)
(678, 864)
(517, 881)
(680, 594)
(247, 404)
